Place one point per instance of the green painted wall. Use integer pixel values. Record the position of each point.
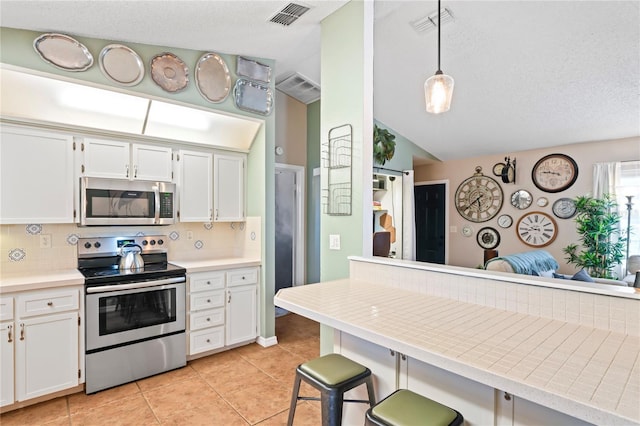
(16, 49)
(313, 194)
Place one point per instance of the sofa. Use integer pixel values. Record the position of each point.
(540, 263)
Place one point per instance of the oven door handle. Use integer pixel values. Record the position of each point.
(155, 283)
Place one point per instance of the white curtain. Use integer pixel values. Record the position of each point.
(604, 179)
(408, 217)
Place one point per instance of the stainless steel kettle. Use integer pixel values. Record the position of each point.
(130, 257)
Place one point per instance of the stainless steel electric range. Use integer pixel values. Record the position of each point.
(134, 318)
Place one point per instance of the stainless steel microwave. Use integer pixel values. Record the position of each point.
(107, 202)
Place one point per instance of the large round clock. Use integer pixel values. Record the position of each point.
(478, 198)
(537, 229)
(554, 172)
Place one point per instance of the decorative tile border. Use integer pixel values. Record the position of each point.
(33, 229)
(17, 254)
(174, 235)
(198, 244)
(72, 239)
(208, 226)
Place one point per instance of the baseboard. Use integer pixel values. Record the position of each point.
(266, 342)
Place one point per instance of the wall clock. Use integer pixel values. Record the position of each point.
(554, 173)
(564, 208)
(509, 171)
(467, 231)
(542, 202)
(479, 197)
(488, 238)
(505, 221)
(521, 199)
(537, 229)
(497, 169)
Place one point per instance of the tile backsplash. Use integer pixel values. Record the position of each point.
(42, 247)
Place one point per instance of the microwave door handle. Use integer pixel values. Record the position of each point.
(157, 204)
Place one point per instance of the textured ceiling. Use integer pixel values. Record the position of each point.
(528, 74)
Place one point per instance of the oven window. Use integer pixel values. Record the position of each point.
(109, 203)
(131, 311)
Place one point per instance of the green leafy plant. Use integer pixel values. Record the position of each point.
(602, 246)
(384, 145)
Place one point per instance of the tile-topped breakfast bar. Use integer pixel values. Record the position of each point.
(546, 347)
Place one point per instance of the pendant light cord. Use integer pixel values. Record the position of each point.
(439, 70)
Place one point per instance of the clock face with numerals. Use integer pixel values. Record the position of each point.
(554, 172)
(478, 198)
(537, 229)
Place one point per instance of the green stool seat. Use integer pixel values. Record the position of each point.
(407, 408)
(332, 375)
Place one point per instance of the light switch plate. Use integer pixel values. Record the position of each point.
(334, 242)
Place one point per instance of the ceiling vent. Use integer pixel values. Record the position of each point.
(299, 87)
(430, 22)
(289, 14)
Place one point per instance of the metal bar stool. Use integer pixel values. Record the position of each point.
(406, 408)
(332, 375)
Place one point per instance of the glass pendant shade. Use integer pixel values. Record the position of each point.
(438, 90)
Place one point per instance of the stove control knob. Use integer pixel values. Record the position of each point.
(160, 242)
(97, 245)
(87, 245)
(145, 242)
(153, 242)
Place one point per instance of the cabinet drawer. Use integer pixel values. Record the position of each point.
(205, 319)
(6, 308)
(242, 276)
(206, 300)
(206, 340)
(206, 281)
(47, 302)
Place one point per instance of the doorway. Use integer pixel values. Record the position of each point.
(431, 222)
(289, 226)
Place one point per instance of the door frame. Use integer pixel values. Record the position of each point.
(446, 211)
(299, 240)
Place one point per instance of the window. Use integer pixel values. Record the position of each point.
(628, 184)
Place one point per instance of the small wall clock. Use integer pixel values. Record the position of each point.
(521, 199)
(467, 231)
(564, 208)
(505, 221)
(479, 197)
(554, 173)
(537, 229)
(488, 238)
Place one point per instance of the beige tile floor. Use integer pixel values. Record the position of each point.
(249, 385)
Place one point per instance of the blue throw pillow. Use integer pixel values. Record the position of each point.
(560, 276)
(582, 275)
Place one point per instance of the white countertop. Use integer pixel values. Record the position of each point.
(588, 373)
(215, 264)
(39, 280)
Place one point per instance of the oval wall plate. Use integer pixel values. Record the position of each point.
(121, 65)
(63, 52)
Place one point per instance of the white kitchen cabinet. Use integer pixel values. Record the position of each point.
(222, 310)
(195, 186)
(229, 187)
(36, 177)
(7, 362)
(123, 160)
(43, 354)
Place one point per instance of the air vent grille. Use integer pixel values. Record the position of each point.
(289, 14)
(430, 22)
(299, 87)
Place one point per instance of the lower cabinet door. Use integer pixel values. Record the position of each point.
(242, 318)
(46, 355)
(206, 340)
(7, 336)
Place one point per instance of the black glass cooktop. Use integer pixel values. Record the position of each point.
(108, 275)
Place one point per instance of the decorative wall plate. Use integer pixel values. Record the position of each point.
(63, 52)
(252, 97)
(169, 72)
(537, 229)
(212, 77)
(121, 65)
(253, 70)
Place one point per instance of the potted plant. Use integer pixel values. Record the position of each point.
(599, 235)
(384, 145)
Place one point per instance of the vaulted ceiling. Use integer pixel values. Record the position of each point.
(528, 74)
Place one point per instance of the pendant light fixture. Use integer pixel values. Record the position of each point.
(438, 88)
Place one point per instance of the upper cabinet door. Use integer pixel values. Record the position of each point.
(228, 187)
(106, 159)
(151, 163)
(36, 177)
(194, 186)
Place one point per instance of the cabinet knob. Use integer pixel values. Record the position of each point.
(208, 300)
(507, 396)
(392, 352)
(208, 341)
(49, 304)
(243, 277)
(208, 319)
(208, 282)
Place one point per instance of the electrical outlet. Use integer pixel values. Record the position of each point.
(45, 241)
(334, 242)
(189, 235)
